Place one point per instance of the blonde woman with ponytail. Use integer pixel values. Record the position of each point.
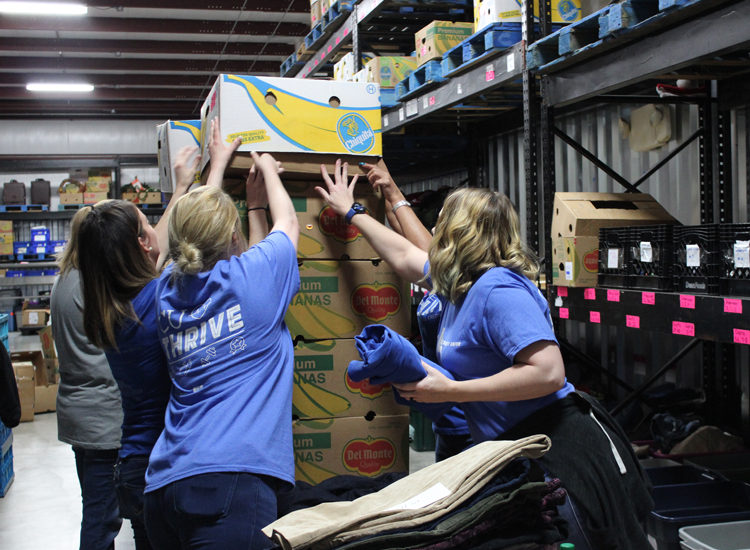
(227, 444)
(497, 339)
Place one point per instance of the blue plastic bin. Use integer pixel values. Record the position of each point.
(39, 235)
(55, 247)
(6, 468)
(22, 247)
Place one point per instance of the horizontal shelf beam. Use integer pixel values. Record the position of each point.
(27, 281)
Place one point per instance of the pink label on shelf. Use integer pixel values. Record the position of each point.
(684, 329)
(432, 100)
(687, 301)
(316, 63)
(648, 298)
(490, 74)
(346, 32)
(633, 321)
(322, 55)
(338, 39)
(589, 294)
(564, 313)
(613, 295)
(732, 306)
(741, 336)
(595, 317)
(562, 291)
(330, 49)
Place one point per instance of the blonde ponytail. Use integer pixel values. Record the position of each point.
(190, 260)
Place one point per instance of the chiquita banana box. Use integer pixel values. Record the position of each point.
(173, 135)
(322, 388)
(324, 234)
(337, 299)
(294, 115)
(350, 446)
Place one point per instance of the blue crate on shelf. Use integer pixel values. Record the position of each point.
(5, 432)
(314, 37)
(23, 207)
(336, 14)
(388, 97)
(626, 14)
(34, 257)
(423, 78)
(4, 321)
(6, 470)
(39, 235)
(21, 247)
(55, 247)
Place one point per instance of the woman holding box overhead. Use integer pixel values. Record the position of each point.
(496, 338)
(120, 256)
(227, 445)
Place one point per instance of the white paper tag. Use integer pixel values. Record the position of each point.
(558, 301)
(568, 271)
(385, 121)
(401, 114)
(613, 257)
(412, 107)
(511, 63)
(33, 318)
(647, 253)
(742, 254)
(459, 90)
(693, 255)
(425, 102)
(40, 238)
(422, 500)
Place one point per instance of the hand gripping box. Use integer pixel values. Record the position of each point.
(173, 135)
(294, 115)
(576, 220)
(323, 389)
(352, 446)
(337, 299)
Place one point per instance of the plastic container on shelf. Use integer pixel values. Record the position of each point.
(733, 466)
(39, 234)
(670, 475)
(717, 536)
(6, 465)
(696, 259)
(651, 257)
(677, 506)
(734, 244)
(613, 257)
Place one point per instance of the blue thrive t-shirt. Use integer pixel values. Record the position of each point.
(502, 314)
(231, 359)
(140, 370)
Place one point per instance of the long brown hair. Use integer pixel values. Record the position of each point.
(477, 230)
(68, 258)
(114, 268)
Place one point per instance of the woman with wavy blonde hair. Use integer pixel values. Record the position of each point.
(497, 339)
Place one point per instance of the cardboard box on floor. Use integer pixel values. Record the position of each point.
(294, 115)
(322, 388)
(34, 317)
(24, 372)
(350, 446)
(45, 380)
(337, 299)
(48, 343)
(172, 136)
(576, 220)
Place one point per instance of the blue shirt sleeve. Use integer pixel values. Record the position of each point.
(278, 252)
(513, 320)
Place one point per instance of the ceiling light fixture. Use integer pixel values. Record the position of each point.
(42, 8)
(60, 87)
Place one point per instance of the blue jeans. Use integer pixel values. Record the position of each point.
(130, 481)
(100, 520)
(212, 511)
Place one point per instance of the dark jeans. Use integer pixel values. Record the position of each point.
(100, 521)
(130, 481)
(212, 511)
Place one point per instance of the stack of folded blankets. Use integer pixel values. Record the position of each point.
(491, 496)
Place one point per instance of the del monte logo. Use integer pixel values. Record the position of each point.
(376, 302)
(369, 457)
(365, 389)
(591, 261)
(333, 225)
(355, 133)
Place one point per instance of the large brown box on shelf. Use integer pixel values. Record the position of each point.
(576, 220)
(322, 388)
(71, 198)
(350, 446)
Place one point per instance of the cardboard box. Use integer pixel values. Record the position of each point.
(93, 198)
(325, 5)
(53, 370)
(389, 71)
(173, 135)
(487, 12)
(34, 317)
(44, 380)
(294, 115)
(6, 237)
(315, 13)
(337, 299)
(322, 388)
(97, 186)
(48, 343)
(345, 71)
(71, 198)
(576, 220)
(24, 372)
(350, 446)
(6, 249)
(438, 37)
(6, 226)
(148, 197)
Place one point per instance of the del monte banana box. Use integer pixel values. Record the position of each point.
(294, 115)
(173, 135)
(322, 388)
(337, 299)
(350, 446)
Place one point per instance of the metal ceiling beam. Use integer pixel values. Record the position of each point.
(194, 94)
(81, 64)
(110, 80)
(26, 109)
(81, 45)
(297, 6)
(157, 26)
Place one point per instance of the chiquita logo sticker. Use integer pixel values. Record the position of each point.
(369, 457)
(376, 302)
(591, 261)
(355, 133)
(567, 10)
(365, 389)
(333, 225)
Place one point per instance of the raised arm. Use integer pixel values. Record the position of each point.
(220, 155)
(401, 255)
(282, 210)
(185, 176)
(404, 221)
(257, 205)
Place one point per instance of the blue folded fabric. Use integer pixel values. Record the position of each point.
(388, 357)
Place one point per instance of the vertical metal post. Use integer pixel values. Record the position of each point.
(706, 160)
(355, 41)
(545, 17)
(724, 142)
(729, 390)
(530, 117)
(709, 378)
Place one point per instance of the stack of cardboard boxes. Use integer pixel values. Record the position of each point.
(6, 239)
(37, 379)
(339, 427)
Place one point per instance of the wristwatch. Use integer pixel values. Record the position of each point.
(353, 211)
(399, 204)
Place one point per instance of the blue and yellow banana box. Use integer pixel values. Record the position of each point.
(172, 136)
(289, 115)
(323, 389)
(488, 12)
